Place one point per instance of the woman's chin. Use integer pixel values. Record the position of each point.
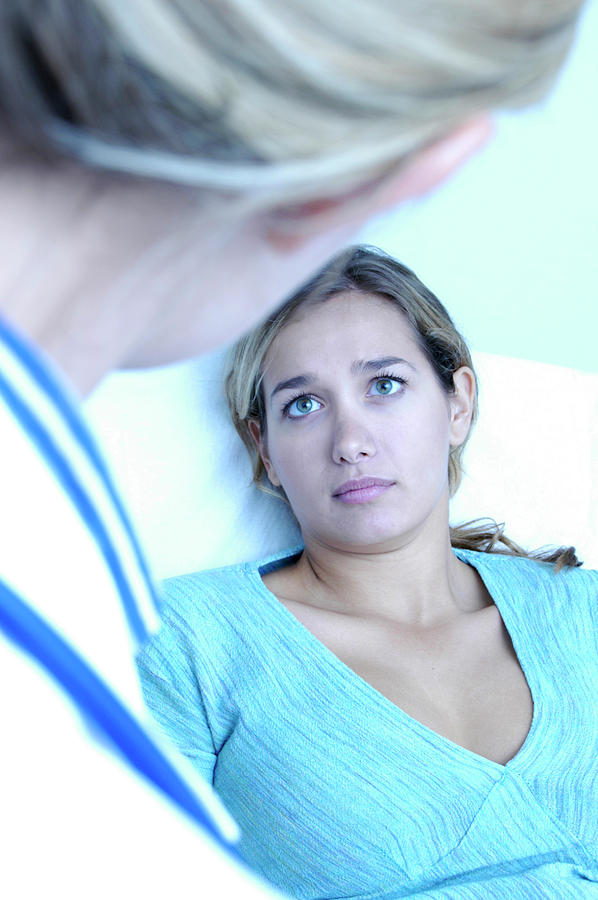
(374, 539)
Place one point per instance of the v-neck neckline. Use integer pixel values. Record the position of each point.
(275, 561)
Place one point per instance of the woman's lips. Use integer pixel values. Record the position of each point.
(361, 490)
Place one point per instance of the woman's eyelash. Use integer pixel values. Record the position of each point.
(285, 408)
(390, 376)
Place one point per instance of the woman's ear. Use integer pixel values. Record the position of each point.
(415, 177)
(260, 442)
(432, 165)
(461, 405)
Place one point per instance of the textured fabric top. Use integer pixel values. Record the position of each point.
(338, 792)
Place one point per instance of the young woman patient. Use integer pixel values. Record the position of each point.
(395, 705)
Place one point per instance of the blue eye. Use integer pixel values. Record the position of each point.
(386, 385)
(301, 406)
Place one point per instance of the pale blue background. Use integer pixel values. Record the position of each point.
(510, 243)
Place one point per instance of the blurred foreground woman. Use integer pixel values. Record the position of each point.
(169, 171)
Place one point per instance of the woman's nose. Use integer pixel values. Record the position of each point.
(352, 442)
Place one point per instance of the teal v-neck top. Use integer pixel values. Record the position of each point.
(341, 794)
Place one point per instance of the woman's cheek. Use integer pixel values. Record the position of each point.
(297, 470)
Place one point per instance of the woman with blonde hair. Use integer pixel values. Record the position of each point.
(169, 170)
(394, 707)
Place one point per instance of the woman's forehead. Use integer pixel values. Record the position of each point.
(340, 326)
(355, 300)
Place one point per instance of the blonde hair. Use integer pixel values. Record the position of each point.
(269, 102)
(371, 271)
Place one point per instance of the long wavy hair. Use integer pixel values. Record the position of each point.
(371, 271)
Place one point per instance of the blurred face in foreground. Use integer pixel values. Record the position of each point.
(358, 426)
(107, 271)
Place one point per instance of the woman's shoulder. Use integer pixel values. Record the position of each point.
(212, 613)
(526, 574)
(211, 582)
(209, 598)
(222, 589)
(537, 585)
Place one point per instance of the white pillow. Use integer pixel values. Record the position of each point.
(532, 462)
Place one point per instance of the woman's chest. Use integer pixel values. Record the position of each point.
(466, 685)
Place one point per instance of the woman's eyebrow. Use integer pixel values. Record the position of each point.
(373, 365)
(297, 381)
(357, 368)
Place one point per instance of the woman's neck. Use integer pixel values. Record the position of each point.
(419, 586)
